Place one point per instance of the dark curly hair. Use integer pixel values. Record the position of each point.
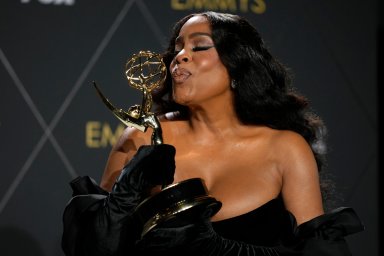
(263, 94)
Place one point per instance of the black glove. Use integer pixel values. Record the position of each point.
(151, 166)
(99, 223)
(323, 236)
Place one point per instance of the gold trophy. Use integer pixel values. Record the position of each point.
(176, 204)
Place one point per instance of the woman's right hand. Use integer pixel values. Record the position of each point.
(151, 166)
(97, 223)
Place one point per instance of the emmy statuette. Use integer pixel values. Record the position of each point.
(178, 203)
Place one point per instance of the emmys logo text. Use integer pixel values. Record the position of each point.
(101, 135)
(254, 6)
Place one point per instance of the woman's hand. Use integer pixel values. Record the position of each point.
(97, 223)
(150, 167)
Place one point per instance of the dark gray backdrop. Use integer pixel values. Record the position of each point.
(53, 127)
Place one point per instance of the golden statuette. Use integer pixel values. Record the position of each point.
(145, 71)
(176, 204)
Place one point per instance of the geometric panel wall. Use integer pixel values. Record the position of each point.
(53, 126)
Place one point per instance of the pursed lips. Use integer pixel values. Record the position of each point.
(179, 75)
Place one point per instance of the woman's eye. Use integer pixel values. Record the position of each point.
(201, 48)
(194, 49)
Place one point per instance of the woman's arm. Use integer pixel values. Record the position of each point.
(121, 153)
(300, 178)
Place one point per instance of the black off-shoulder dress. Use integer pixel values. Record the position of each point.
(269, 226)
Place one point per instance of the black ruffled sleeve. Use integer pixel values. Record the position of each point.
(86, 195)
(98, 223)
(325, 234)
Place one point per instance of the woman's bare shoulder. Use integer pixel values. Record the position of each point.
(289, 141)
(283, 139)
(290, 150)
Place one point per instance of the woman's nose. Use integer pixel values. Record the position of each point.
(183, 56)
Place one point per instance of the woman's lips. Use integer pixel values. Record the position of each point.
(179, 75)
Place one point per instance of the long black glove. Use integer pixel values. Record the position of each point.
(322, 236)
(99, 223)
(150, 167)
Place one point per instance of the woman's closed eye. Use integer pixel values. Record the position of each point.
(202, 48)
(195, 49)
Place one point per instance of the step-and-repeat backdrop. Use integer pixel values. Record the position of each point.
(53, 126)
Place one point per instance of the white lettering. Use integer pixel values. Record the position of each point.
(54, 2)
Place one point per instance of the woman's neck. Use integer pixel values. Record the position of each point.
(214, 123)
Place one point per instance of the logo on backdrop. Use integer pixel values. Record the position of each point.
(101, 134)
(54, 2)
(255, 6)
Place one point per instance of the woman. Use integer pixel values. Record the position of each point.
(233, 121)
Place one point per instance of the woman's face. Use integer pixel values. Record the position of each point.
(198, 74)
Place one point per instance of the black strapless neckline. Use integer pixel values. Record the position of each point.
(261, 226)
(260, 208)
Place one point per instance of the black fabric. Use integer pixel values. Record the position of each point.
(240, 236)
(99, 223)
(197, 239)
(324, 235)
(262, 226)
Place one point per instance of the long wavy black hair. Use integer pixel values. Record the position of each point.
(263, 93)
